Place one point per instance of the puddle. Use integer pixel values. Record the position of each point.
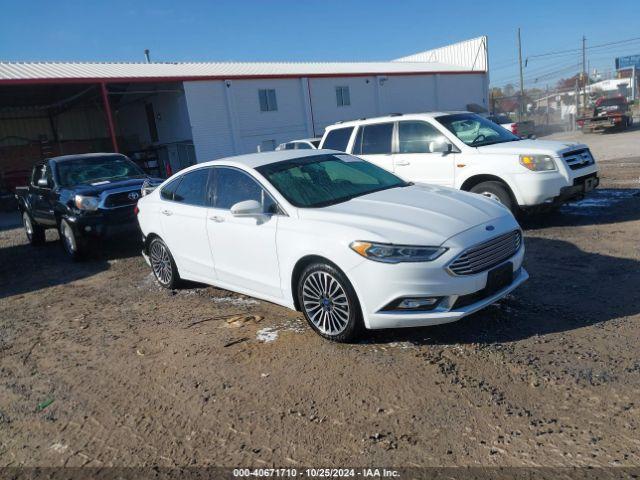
(600, 199)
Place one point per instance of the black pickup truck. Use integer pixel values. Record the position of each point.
(85, 197)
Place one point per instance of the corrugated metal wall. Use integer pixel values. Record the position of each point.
(471, 54)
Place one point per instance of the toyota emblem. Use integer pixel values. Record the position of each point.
(134, 196)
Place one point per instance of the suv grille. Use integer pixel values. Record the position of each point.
(121, 199)
(578, 158)
(487, 255)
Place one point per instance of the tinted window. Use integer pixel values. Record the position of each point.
(233, 186)
(193, 187)
(289, 146)
(322, 180)
(416, 137)
(169, 189)
(338, 139)
(303, 146)
(267, 98)
(376, 139)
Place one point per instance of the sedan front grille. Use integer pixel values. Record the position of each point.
(578, 158)
(487, 255)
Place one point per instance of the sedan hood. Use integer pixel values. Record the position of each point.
(418, 214)
(523, 147)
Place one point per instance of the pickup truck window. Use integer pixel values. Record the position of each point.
(476, 131)
(90, 170)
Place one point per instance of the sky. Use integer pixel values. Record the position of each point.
(330, 30)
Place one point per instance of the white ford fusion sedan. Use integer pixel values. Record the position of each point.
(349, 244)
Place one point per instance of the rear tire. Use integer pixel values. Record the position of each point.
(74, 245)
(163, 266)
(35, 233)
(497, 191)
(329, 303)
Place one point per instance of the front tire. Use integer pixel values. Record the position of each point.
(35, 233)
(496, 191)
(329, 303)
(73, 244)
(162, 263)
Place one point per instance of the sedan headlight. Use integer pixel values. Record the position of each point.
(384, 252)
(86, 203)
(538, 163)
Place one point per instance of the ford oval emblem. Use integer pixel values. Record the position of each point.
(134, 196)
(489, 228)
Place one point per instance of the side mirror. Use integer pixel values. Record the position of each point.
(43, 183)
(440, 147)
(247, 208)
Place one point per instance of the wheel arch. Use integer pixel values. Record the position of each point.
(299, 267)
(474, 180)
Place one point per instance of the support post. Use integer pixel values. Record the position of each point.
(107, 112)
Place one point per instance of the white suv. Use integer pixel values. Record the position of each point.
(468, 152)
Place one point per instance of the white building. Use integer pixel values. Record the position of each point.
(220, 108)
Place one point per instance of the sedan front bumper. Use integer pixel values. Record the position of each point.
(379, 285)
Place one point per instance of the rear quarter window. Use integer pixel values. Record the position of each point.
(338, 139)
(170, 188)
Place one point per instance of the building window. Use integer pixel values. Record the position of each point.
(268, 102)
(342, 96)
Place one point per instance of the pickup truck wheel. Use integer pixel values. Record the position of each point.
(35, 233)
(73, 245)
(329, 303)
(162, 263)
(495, 191)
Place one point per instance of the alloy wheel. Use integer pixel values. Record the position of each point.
(326, 303)
(161, 262)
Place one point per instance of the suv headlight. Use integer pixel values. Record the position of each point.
(538, 163)
(384, 252)
(86, 203)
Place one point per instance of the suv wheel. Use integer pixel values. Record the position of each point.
(329, 303)
(73, 244)
(35, 233)
(496, 191)
(162, 264)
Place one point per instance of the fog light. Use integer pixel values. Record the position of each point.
(414, 303)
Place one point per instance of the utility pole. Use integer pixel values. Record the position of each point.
(521, 102)
(584, 74)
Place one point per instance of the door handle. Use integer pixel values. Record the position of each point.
(167, 212)
(217, 218)
(402, 163)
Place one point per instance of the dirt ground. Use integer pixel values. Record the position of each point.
(101, 367)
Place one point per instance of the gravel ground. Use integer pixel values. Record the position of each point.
(101, 367)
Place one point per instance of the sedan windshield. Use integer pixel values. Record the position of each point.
(476, 131)
(322, 180)
(88, 170)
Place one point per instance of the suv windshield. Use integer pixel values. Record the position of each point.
(322, 180)
(476, 131)
(89, 170)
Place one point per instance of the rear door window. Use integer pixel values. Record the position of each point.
(193, 188)
(376, 139)
(338, 139)
(169, 189)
